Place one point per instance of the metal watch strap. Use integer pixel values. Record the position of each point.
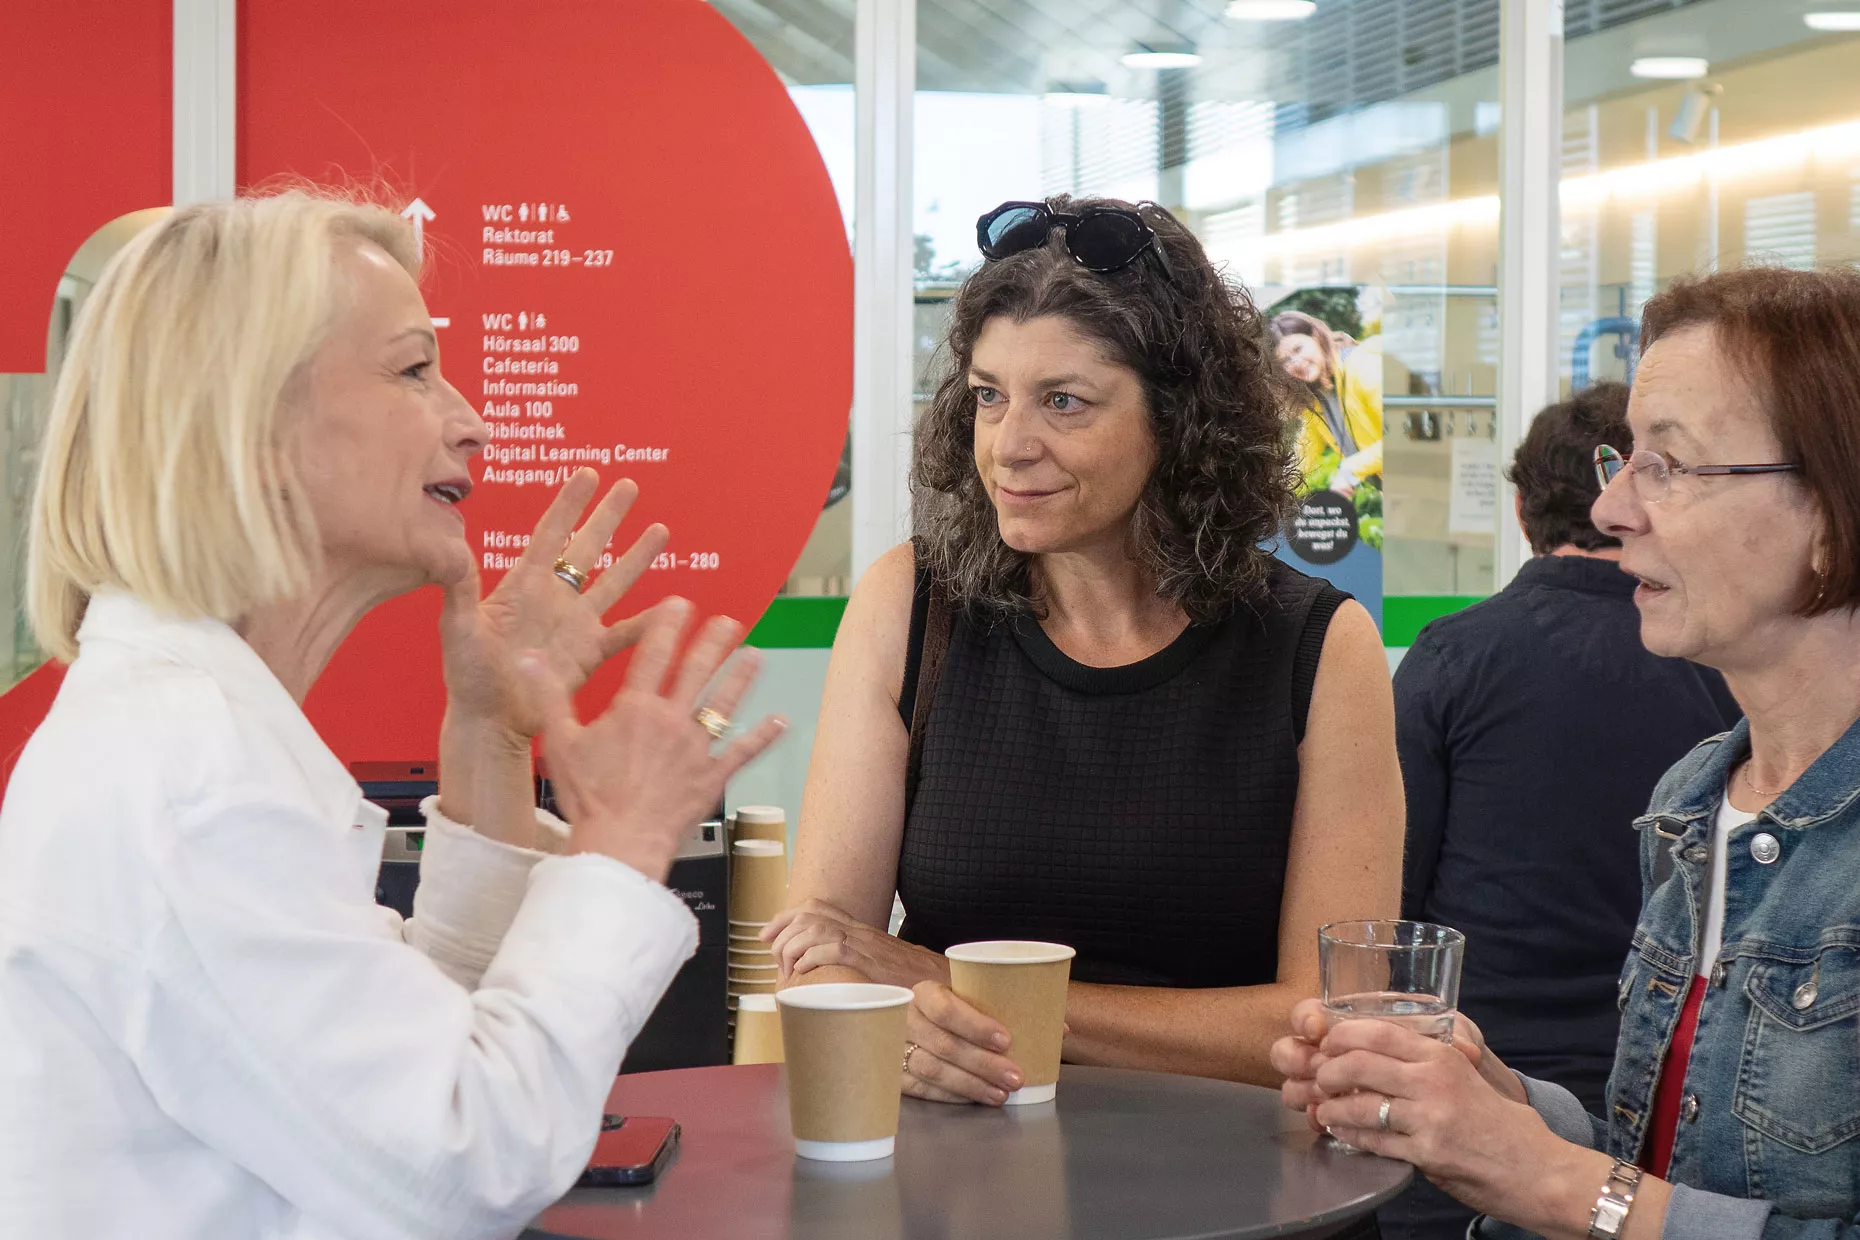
(1611, 1208)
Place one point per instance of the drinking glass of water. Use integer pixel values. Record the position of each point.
(1404, 972)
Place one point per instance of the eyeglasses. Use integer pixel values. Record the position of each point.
(1098, 238)
(1652, 474)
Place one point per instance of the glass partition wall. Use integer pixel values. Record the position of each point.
(1340, 158)
(1345, 154)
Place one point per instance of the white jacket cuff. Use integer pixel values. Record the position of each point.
(470, 889)
(605, 927)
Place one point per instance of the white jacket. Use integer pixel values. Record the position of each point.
(208, 1028)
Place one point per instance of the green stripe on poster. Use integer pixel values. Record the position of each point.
(1404, 615)
(798, 624)
(810, 623)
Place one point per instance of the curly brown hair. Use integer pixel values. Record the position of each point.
(1224, 479)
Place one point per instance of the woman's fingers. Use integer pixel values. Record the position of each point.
(825, 955)
(799, 938)
(932, 1069)
(1383, 1038)
(739, 672)
(624, 634)
(952, 1062)
(916, 1087)
(1359, 1070)
(703, 657)
(1309, 1020)
(558, 520)
(1300, 1095)
(963, 1037)
(781, 921)
(941, 1007)
(743, 750)
(624, 573)
(665, 625)
(588, 543)
(1292, 1056)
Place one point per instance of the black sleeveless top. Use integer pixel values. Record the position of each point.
(1141, 814)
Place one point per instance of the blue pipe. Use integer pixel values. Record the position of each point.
(1629, 332)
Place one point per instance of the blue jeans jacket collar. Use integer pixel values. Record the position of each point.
(1825, 791)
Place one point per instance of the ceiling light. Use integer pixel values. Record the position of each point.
(1270, 10)
(1833, 21)
(1831, 145)
(1147, 59)
(1675, 68)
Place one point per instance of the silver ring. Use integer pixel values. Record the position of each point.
(1382, 1116)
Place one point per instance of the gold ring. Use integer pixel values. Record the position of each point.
(572, 575)
(711, 721)
(1382, 1115)
(910, 1048)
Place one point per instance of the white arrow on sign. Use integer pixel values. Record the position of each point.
(419, 213)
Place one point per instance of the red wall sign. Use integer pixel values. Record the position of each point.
(85, 136)
(639, 265)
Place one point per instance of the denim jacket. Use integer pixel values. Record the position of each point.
(1769, 1134)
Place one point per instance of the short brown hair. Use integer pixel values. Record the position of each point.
(1554, 468)
(1223, 483)
(1795, 337)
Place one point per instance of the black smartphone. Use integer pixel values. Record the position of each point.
(632, 1149)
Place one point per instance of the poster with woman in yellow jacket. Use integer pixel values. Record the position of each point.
(1334, 429)
(1339, 430)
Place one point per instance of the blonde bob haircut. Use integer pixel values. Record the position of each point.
(166, 468)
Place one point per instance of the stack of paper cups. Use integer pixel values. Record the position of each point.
(760, 822)
(758, 1030)
(758, 891)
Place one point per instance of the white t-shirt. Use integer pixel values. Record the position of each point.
(1729, 819)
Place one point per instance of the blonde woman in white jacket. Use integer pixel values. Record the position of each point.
(208, 1029)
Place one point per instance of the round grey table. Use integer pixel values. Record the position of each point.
(1119, 1156)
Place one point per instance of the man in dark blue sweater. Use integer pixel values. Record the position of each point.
(1532, 728)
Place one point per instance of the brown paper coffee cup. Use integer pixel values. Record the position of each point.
(758, 880)
(844, 1043)
(758, 1030)
(737, 986)
(761, 822)
(1023, 985)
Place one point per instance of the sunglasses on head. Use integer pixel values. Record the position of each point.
(1098, 238)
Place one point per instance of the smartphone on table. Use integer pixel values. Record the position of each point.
(632, 1149)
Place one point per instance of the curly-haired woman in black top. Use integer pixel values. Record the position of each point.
(1088, 706)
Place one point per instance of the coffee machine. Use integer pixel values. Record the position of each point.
(690, 1027)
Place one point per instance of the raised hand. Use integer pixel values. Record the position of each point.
(533, 609)
(635, 779)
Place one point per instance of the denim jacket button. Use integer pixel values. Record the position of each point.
(1690, 1110)
(1765, 848)
(1717, 975)
(1805, 995)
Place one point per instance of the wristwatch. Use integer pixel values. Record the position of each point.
(1611, 1208)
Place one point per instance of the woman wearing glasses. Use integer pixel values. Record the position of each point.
(1734, 1107)
(1088, 707)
